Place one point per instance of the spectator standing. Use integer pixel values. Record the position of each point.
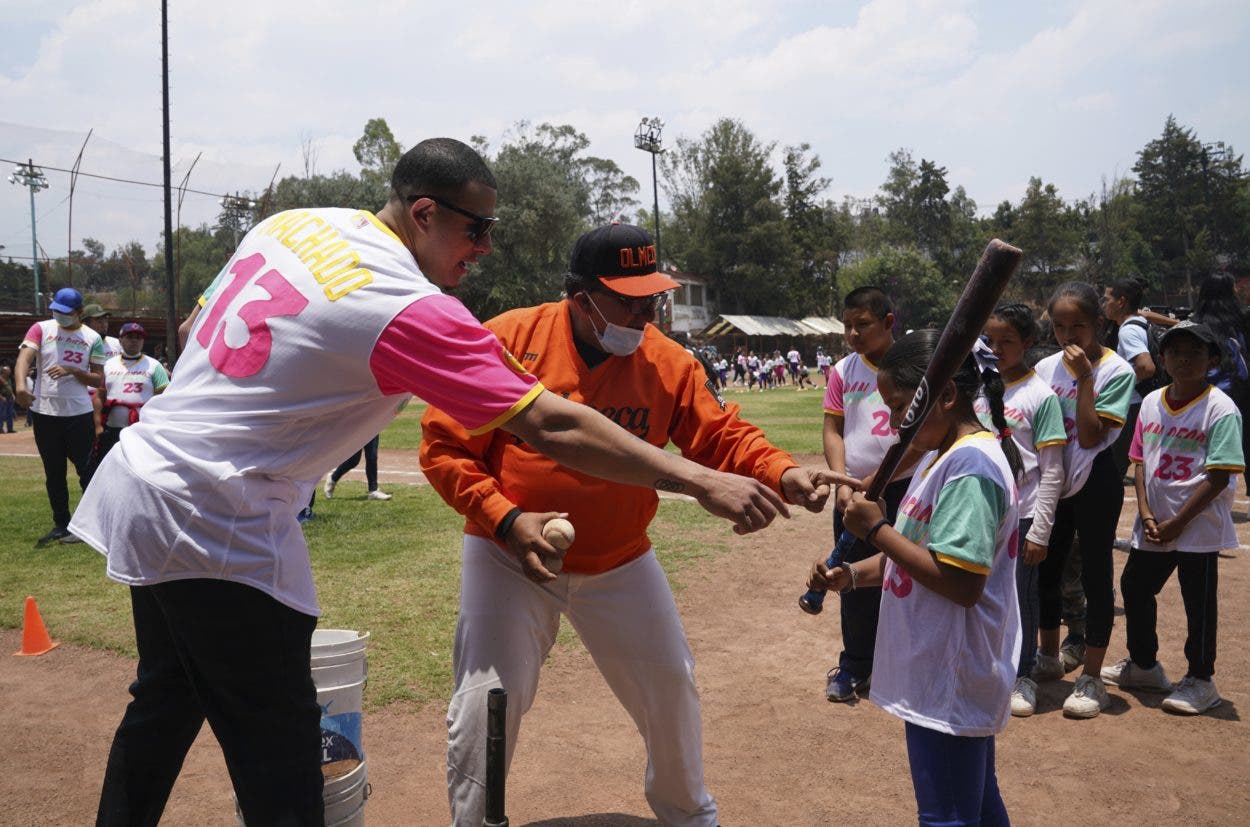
(8, 401)
(370, 453)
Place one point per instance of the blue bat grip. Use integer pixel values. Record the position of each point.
(814, 600)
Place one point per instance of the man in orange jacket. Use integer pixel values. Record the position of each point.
(597, 348)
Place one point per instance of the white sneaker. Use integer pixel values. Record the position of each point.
(328, 488)
(1047, 667)
(1024, 698)
(1088, 698)
(1128, 675)
(1193, 696)
(378, 495)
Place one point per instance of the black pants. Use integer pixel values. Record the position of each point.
(1090, 514)
(229, 653)
(1143, 579)
(859, 608)
(60, 439)
(371, 464)
(103, 444)
(1124, 441)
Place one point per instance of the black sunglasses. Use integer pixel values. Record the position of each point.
(482, 225)
(641, 305)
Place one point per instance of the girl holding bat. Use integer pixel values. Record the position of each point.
(949, 638)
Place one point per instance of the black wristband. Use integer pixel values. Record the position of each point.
(505, 525)
(872, 532)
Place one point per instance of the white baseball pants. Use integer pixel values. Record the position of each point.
(628, 622)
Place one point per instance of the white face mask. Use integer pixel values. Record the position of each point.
(615, 339)
(65, 319)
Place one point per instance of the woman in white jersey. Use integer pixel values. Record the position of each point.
(1035, 422)
(948, 639)
(1094, 386)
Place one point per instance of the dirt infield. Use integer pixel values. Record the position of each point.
(777, 753)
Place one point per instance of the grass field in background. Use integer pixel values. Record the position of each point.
(791, 419)
(389, 568)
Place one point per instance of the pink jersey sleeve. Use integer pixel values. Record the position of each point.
(437, 351)
(833, 393)
(1134, 448)
(34, 336)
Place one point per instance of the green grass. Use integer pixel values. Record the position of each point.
(391, 569)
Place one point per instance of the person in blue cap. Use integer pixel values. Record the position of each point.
(70, 360)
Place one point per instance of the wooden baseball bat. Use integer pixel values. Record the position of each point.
(994, 270)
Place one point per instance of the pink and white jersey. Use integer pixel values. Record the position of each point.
(1113, 387)
(129, 384)
(1176, 447)
(1032, 412)
(852, 395)
(937, 664)
(79, 348)
(307, 344)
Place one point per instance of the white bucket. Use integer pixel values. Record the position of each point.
(345, 796)
(339, 672)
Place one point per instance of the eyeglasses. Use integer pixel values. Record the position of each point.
(639, 306)
(482, 225)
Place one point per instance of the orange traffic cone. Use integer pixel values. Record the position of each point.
(35, 640)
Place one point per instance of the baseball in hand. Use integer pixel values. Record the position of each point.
(558, 532)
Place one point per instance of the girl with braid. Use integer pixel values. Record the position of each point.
(948, 639)
(1035, 425)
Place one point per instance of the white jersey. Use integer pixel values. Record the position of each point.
(1113, 386)
(129, 384)
(852, 395)
(281, 379)
(79, 348)
(1176, 448)
(937, 664)
(112, 347)
(793, 357)
(1032, 412)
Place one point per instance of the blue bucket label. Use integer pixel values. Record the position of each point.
(340, 736)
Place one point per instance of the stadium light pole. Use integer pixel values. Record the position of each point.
(30, 176)
(647, 138)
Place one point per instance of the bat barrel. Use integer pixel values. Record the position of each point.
(496, 757)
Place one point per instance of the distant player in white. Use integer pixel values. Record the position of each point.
(217, 467)
(131, 379)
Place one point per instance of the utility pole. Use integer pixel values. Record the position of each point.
(30, 176)
(647, 138)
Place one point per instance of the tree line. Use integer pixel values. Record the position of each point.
(756, 220)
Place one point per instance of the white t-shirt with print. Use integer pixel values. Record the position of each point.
(130, 383)
(852, 394)
(1176, 447)
(1032, 412)
(1113, 387)
(79, 348)
(937, 664)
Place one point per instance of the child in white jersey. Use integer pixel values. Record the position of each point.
(1094, 386)
(856, 435)
(949, 635)
(1035, 421)
(1187, 446)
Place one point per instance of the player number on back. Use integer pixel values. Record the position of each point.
(284, 300)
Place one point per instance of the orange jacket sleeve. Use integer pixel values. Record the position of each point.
(710, 432)
(455, 464)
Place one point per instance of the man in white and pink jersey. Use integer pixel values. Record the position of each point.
(217, 467)
(131, 379)
(856, 435)
(69, 358)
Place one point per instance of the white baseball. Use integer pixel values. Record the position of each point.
(559, 532)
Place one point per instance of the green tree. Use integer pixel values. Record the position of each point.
(922, 295)
(728, 221)
(817, 231)
(1046, 230)
(378, 152)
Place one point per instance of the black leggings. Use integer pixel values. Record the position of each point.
(1092, 514)
(1144, 576)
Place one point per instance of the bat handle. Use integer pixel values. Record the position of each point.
(813, 601)
(496, 744)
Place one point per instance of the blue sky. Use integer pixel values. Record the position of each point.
(996, 92)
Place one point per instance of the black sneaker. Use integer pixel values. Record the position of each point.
(841, 686)
(55, 535)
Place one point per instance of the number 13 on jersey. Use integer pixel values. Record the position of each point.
(284, 300)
